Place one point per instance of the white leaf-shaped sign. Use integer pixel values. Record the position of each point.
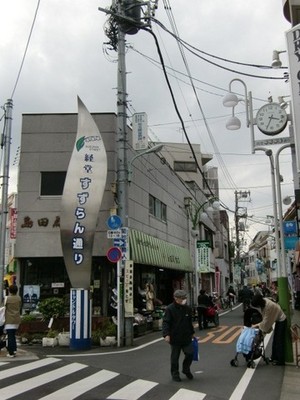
(81, 199)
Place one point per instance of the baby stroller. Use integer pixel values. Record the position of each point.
(251, 341)
(212, 315)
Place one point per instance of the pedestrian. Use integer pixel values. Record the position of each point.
(178, 331)
(246, 296)
(150, 296)
(272, 313)
(203, 303)
(231, 295)
(13, 304)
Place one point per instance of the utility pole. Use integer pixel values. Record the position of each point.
(5, 143)
(125, 18)
(239, 196)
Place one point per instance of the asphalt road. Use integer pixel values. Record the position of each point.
(143, 372)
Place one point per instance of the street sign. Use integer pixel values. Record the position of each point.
(114, 234)
(114, 254)
(120, 242)
(114, 222)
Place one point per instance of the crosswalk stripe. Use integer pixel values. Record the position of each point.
(134, 390)
(185, 394)
(24, 368)
(31, 383)
(78, 388)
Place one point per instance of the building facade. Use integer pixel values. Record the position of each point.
(161, 245)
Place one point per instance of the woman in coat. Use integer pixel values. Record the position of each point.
(272, 313)
(12, 319)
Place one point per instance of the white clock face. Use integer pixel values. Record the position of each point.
(271, 119)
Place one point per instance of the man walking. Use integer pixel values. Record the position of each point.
(178, 331)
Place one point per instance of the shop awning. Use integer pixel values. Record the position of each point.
(146, 249)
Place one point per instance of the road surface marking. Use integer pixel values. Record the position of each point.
(24, 368)
(230, 339)
(134, 390)
(31, 383)
(185, 394)
(84, 385)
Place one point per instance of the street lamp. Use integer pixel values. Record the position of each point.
(194, 213)
(154, 149)
(276, 194)
(276, 62)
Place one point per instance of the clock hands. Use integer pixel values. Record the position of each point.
(270, 120)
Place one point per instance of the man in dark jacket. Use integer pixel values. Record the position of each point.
(178, 331)
(203, 303)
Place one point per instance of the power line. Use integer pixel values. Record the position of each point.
(26, 48)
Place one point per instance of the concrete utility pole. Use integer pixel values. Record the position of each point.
(239, 196)
(5, 143)
(126, 326)
(126, 16)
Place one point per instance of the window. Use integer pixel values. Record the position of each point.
(185, 166)
(157, 208)
(52, 183)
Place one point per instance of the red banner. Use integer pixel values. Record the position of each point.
(13, 213)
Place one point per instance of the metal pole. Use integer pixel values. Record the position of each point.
(5, 177)
(280, 212)
(269, 153)
(283, 289)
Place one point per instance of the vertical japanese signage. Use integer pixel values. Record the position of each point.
(293, 48)
(81, 200)
(13, 223)
(140, 131)
(203, 256)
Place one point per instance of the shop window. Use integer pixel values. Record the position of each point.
(157, 208)
(52, 183)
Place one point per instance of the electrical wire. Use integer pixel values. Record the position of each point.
(26, 49)
(217, 152)
(189, 48)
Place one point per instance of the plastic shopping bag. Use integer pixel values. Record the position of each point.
(196, 349)
(2, 316)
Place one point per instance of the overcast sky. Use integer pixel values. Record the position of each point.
(67, 57)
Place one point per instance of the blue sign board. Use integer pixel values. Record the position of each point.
(114, 222)
(120, 242)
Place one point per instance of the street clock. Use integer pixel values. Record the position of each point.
(271, 119)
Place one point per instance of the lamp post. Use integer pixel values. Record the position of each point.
(193, 212)
(231, 100)
(154, 149)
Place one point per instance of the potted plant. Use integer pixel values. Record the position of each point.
(64, 338)
(107, 333)
(52, 308)
(51, 339)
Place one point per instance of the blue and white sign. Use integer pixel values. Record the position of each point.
(114, 222)
(120, 242)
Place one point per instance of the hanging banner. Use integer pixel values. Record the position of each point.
(13, 223)
(203, 256)
(81, 199)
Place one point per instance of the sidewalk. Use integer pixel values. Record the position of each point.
(290, 389)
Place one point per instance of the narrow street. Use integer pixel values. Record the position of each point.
(142, 372)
